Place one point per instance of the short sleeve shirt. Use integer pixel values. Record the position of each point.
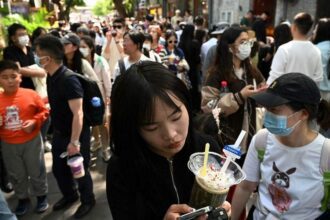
(290, 180)
(17, 55)
(59, 93)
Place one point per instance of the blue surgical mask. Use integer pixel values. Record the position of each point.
(277, 124)
(37, 61)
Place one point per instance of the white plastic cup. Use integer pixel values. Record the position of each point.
(77, 166)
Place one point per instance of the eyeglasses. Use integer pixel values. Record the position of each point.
(117, 26)
(170, 41)
(247, 42)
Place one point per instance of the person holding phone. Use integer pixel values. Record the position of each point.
(152, 138)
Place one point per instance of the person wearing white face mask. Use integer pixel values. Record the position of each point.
(20, 52)
(147, 51)
(102, 70)
(288, 160)
(232, 64)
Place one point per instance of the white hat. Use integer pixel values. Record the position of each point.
(220, 27)
(177, 11)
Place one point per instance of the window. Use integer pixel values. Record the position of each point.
(227, 16)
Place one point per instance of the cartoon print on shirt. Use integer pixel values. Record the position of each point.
(12, 119)
(277, 189)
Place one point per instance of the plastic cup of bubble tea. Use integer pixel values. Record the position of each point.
(77, 166)
(212, 188)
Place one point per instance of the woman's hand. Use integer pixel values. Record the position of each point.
(174, 211)
(227, 206)
(248, 91)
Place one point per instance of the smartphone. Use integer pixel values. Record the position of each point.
(195, 214)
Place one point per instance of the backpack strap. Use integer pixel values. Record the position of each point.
(261, 142)
(325, 167)
(121, 66)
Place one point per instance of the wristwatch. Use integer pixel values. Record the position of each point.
(75, 143)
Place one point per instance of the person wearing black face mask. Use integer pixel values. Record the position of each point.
(289, 154)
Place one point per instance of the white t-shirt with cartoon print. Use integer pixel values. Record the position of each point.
(291, 182)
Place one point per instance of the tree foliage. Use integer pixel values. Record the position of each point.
(34, 20)
(103, 7)
(65, 8)
(125, 8)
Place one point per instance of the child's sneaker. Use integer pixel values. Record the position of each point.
(22, 207)
(42, 204)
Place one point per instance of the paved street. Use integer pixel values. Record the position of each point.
(100, 211)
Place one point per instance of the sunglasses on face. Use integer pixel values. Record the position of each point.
(170, 41)
(117, 26)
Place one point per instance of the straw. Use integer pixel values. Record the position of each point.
(239, 139)
(236, 145)
(254, 84)
(206, 155)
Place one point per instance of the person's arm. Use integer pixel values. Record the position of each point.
(241, 196)
(243, 191)
(41, 114)
(106, 47)
(227, 103)
(76, 107)
(278, 65)
(32, 72)
(105, 73)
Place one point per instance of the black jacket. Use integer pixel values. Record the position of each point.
(132, 196)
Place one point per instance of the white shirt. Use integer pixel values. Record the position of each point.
(127, 64)
(297, 56)
(296, 188)
(102, 70)
(206, 46)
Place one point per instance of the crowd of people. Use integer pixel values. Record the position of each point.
(161, 82)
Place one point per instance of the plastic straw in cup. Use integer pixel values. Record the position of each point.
(239, 139)
(229, 157)
(206, 155)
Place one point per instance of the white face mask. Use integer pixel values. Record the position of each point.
(146, 46)
(244, 51)
(23, 40)
(84, 51)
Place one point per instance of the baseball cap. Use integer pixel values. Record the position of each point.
(71, 38)
(290, 87)
(220, 27)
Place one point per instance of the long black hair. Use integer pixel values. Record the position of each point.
(282, 35)
(224, 57)
(90, 43)
(132, 105)
(76, 61)
(322, 31)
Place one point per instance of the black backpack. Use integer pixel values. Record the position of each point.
(93, 115)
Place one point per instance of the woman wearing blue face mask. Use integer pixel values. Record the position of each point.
(284, 160)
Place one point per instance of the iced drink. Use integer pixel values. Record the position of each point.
(207, 191)
(212, 189)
